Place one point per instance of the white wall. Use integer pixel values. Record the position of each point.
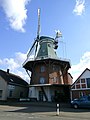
(34, 93)
(3, 87)
(86, 74)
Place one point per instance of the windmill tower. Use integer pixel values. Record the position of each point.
(49, 74)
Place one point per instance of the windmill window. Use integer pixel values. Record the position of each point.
(55, 68)
(42, 80)
(49, 45)
(42, 68)
(55, 79)
(43, 50)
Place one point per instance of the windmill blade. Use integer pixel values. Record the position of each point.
(36, 48)
(35, 44)
(30, 51)
(38, 30)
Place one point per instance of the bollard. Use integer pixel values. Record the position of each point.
(57, 109)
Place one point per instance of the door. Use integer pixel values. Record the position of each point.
(40, 96)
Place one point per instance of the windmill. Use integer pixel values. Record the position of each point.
(45, 67)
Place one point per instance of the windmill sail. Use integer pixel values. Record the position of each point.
(38, 31)
(31, 50)
(35, 44)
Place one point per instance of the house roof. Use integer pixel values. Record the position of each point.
(80, 76)
(12, 78)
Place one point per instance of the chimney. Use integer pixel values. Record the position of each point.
(8, 71)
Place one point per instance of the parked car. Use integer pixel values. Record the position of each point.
(83, 102)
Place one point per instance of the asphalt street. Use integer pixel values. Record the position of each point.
(41, 111)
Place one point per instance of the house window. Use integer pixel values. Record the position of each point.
(42, 68)
(1, 93)
(42, 80)
(83, 85)
(73, 87)
(82, 80)
(78, 81)
(10, 93)
(77, 86)
(88, 82)
(11, 87)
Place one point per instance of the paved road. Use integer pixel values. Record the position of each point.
(39, 111)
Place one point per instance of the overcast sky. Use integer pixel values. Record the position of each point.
(18, 29)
